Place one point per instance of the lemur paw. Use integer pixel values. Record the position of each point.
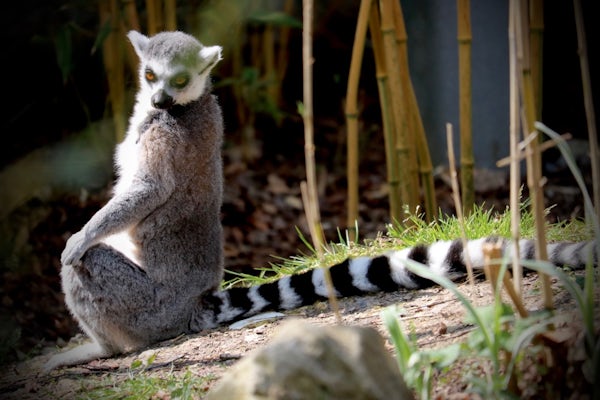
(75, 249)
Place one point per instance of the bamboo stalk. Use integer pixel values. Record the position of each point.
(457, 205)
(352, 115)
(113, 64)
(152, 17)
(402, 144)
(534, 178)
(515, 166)
(403, 70)
(386, 114)
(425, 167)
(424, 159)
(307, 115)
(589, 106)
(309, 188)
(466, 133)
(282, 53)
(536, 40)
(130, 21)
(170, 15)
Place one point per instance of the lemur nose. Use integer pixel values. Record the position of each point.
(162, 100)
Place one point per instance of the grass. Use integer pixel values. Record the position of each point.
(480, 223)
(141, 383)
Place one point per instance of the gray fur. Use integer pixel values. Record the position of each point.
(167, 201)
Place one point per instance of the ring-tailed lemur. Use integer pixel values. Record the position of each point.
(148, 265)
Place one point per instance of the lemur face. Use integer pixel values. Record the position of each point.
(174, 67)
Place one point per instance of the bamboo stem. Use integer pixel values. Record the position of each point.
(282, 53)
(458, 206)
(424, 159)
(170, 15)
(352, 115)
(113, 64)
(131, 21)
(386, 114)
(402, 143)
(536, 40)
(515, 166)
(466, 142)
(152, 17)
(589, 106)
(309, 189)
(405, 84)
(534, 159)
(309, 147)
(418, 137)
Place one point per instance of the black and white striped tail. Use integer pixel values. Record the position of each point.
(362, 275)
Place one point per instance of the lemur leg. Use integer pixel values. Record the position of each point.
(119, 306)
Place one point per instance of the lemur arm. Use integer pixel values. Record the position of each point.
(120, 213)
(151, 187)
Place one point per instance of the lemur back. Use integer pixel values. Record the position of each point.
(147, 266)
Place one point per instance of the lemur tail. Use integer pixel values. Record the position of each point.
(362, 275)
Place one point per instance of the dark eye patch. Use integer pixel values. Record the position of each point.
(180, 80)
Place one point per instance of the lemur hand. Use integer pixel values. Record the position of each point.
(76, 247)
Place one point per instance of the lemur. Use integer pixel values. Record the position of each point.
(148, 265)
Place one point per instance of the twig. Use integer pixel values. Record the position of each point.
(522, 154)
(491, 253)
(457, 205)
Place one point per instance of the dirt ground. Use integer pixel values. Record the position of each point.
(434, 315)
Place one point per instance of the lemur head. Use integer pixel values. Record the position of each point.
(174, 67)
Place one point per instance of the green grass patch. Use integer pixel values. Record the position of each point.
(480, 223)
(142, 385)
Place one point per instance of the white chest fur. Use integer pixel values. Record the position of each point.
(127, 163)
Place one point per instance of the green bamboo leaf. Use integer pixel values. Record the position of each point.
(64, 52)
(103, 33)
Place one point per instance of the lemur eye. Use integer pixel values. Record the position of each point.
(179, 81)
(149, 74)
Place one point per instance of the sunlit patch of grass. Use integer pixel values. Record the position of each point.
(143, 386)
(480, 223)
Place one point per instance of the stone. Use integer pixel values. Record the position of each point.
(305, 361)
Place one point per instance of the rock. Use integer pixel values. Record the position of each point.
(314, 362)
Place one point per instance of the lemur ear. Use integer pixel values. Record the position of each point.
(212, 55)
(139, 42)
